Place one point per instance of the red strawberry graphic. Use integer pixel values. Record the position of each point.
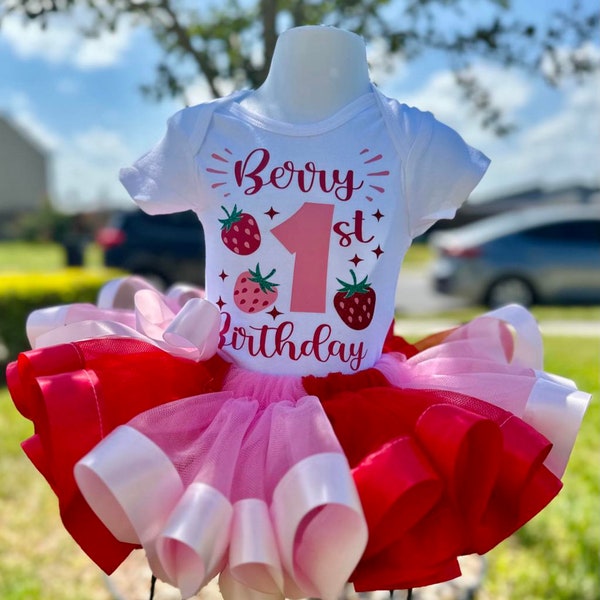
(253, 292)
(240, 232)
(355, 302)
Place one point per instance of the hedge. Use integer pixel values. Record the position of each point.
(22, 293)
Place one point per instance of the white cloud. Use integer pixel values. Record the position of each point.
(87, 167)
(562, 58)
(103, 51)
(197, 92)
(444, 99)
(102, 145)
(557, 149)
(565, 145)
(61, 42)
(20, 109)
(382, 67)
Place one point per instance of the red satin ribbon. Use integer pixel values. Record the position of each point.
(68, 392)
(464, 474)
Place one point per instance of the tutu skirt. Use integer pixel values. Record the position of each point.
(288, 486)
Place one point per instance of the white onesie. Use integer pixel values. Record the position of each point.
(306, 226)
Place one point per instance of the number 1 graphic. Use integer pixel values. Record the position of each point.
(307, 234)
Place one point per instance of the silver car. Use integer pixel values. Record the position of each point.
(541, 255)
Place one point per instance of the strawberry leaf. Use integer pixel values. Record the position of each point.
(356, 287)
(228, 222)
(262, 280)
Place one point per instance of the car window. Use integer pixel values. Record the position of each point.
(567, 231)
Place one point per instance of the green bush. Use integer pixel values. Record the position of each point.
(22, 293)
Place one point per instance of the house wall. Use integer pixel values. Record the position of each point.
(23, 172)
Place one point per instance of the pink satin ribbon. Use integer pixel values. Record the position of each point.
(180, 322)
(498, 357)
(305, 543)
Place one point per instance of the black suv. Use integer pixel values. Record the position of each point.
(164, 248)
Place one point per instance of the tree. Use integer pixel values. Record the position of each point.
(231, 41)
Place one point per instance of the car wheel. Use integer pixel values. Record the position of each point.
(509, 290)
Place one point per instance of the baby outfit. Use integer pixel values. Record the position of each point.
(273, 429)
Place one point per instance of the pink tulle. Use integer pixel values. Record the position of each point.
(245, 449)
(497, 358)
(288, 486)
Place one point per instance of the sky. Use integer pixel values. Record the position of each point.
(79, 99)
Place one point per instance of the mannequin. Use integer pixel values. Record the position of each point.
(315, 71)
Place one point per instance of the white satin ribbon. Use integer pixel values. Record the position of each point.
(307, 543)
(550, 404)
(529, 347)
(180, 322)
(192, 545)
(318, 496)
(132, 486)
(253, 554)
(556, 408)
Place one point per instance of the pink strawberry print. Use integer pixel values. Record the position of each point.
(239, 231)
(253, 291)
(355, 302)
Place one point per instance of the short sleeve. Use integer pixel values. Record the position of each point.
(440, 171)
(164, 179)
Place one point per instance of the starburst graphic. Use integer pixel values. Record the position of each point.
(222, 160)
(376, 185)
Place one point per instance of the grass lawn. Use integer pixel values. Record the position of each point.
(554, 557)
(38, 560)
(46, 256)
(541, 313)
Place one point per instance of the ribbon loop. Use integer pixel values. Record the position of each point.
(317, 514)
(120, 293)
(528, 345)
(112, 475)
(180, 322)
(192, 545)
(197, 326)
(253, 555)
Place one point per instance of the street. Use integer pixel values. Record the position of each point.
(415, 295)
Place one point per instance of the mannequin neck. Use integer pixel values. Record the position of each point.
(315, 72)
